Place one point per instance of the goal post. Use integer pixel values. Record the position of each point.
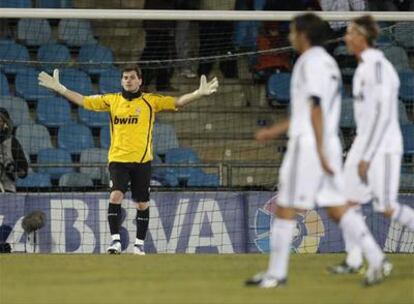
(217, 195)
(195, 15)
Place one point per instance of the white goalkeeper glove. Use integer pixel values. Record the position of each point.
(207, 88)
(52, 83)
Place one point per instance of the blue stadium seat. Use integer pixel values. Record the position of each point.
(347, 70)
(94, 156)
(33, 138)
(34, 180)
(163, 175)
(182, 156)
(245, 34)
(384, 41)
(105, 137)
(93, 55)
(110, 81)
(169, 180)
(164, 138)
(403, 34)
(4, 86)
(200, 179)
(408, 136)
(347, 114)
(27, 85)
(75, 138)
(58, 53)
(92, 118)
(76, 80)
(278, 87)
(397, 56)
(75, 32)
(259, 4)
(16, 3)
(75, 179)
(53, 112)
(54, 3)
(34, 32)
(13, 52)
(407, 181)
(402, 114)
(342, 138)
(6, 41)
(54, 157)
(17, 108)
(341, 50)
(407, 85)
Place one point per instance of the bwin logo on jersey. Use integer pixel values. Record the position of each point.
(307, 235)
(131, 120)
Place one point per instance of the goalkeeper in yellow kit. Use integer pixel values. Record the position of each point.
(132, 115)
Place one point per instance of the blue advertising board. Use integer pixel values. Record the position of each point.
(181, 222)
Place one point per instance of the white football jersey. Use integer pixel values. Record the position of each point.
(375, 90)
(303, 183)
(315, 74)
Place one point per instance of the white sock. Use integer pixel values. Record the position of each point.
(353, 251)
(353, 224)
(280, 242)
(116, 237)
(404, 215)
(139, 242)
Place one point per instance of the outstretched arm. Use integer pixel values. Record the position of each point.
(52, 83)
(205, 89)
(275, 131)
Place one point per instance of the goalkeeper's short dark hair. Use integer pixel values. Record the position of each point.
(131, 68)
(313, 27)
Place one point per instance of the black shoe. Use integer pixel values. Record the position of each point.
(262, 281)
(344, 268)
(375, 275)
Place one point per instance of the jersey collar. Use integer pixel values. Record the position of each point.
(312, 50)
(368, 53)
(131, 95)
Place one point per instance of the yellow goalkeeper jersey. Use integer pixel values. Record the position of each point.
(131, 123)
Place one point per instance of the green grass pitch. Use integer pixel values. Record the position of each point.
(210, 279)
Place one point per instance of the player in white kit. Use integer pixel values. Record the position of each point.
(372, 168)
(311, 169)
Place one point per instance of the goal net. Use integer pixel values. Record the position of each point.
(213, 186)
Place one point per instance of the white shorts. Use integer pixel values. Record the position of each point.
(355, 190)
(383, 181)
(302, 182)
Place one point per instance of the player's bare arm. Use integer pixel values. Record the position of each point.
(53, 83)
(363, 167)
(205, 89)
(317, 124)
(273, 132)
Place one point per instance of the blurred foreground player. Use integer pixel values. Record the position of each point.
(311, 170)
(132, 115)
(372, 169)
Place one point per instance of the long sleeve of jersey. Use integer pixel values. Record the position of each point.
(98, 103)
(379, 105)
